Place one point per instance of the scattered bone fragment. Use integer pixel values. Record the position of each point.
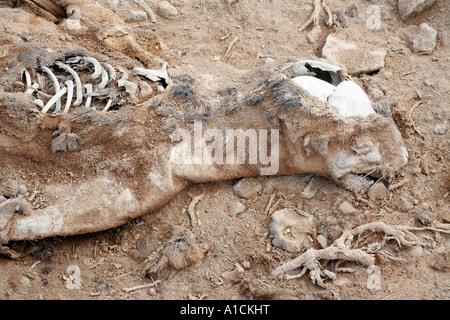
(73, 280)
(121, 82)
(111, 71)
(27, 77)
(153, 75)
(234, 275)
(131, 89)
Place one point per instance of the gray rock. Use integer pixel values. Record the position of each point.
(354, 57)
(137, 16)
(346, 208)
(375, 94)
(247, 188)
(112, 4)
(411, 8)
(236, 208)
(422, 39)
(377, 191)
(440, 129)
(22, 189)
(166, 10)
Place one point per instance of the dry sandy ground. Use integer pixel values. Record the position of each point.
(196, 39)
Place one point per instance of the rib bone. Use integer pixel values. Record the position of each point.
(55, 98)
(57, 88)
(105, 80)
(97, 66)
(77, 79)
(69, 85)
(88, 87)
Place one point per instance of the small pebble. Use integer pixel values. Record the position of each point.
(416, 252)
(377, 191)
(440, 129)
(137, 16)
(22, 189)
(375, 94)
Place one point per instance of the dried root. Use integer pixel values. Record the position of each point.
(343, 250)
(314, 18)
(181, 251)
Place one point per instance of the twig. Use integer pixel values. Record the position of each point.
(330, 15)
(269, 204)
(314, 18)
(191, 209)
(232, 43)
(154, 284)
(412, 121)
(398, 184)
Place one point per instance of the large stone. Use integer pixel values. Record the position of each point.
(352, 56)
(292, 231)
(247, 188)
(422, 39)
(166, 10)
(411, 8)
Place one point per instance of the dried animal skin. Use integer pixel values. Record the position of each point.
(181, 251)
(313, 137)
